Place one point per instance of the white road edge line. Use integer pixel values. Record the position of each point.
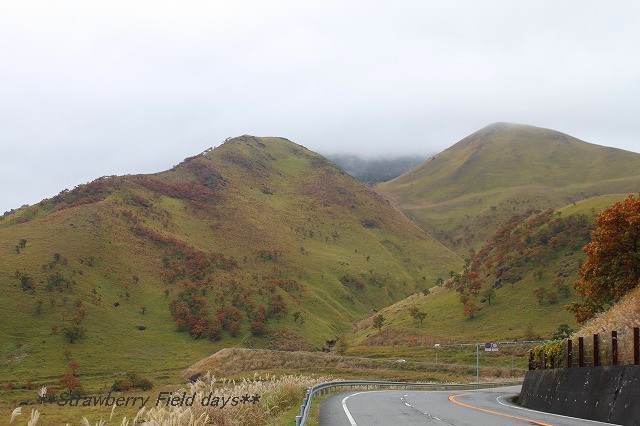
(346, 410)
(550, 414)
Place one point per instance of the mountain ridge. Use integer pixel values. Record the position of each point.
(505, 169)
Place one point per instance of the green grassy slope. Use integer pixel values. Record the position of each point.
(253, 220)
(464, 193)
(514, 313)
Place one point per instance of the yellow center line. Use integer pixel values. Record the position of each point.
(452, 398)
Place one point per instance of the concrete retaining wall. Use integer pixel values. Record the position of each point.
(607, 394)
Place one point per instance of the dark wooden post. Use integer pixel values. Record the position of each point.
(636, 346)
(580, 351)
(614, 347)
(544, 360)
(569, 353)
(532, 365)
(596, 350)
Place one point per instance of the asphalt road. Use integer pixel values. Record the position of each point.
(454, 407)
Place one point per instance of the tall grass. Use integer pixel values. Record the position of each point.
(622, 317)
(276, 396)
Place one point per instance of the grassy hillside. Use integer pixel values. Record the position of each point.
(463, 194)
(535, 250)
(149, 273)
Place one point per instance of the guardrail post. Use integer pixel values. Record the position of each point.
(569, 353)
(614, 347)
(580, 351)
(636, 346)
(298, 420)
(596, 349)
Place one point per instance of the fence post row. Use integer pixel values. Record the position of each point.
(543, 362)
(532, 365)
(580, 351)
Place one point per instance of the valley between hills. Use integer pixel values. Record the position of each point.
(260, 244)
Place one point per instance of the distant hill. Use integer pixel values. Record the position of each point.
(258, 243)
(375, 170)
(463, 194)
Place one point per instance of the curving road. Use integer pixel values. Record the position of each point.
(452, 407)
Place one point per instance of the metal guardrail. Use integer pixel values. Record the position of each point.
(328, 387)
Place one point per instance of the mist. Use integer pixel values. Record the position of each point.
(102, 88)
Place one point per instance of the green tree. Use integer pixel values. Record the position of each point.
(73, 332)
(562, 332)
(342, 345)
(26, 282)
(489, 294)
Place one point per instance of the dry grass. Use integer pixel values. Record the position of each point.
(236, 362)
(622, 317)
(277, 395)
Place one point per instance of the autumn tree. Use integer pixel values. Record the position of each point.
(71, 383)
(259, 322)
(612, 267)
(470, 309)
(277, 307)
(540, 293)
(417, 314)
(378, 321)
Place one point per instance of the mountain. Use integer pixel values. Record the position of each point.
(375, 170)
(462, 195)
(257, 243)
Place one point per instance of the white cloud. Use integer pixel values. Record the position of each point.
(110, 87)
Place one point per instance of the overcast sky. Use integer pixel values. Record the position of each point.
(92, 88)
